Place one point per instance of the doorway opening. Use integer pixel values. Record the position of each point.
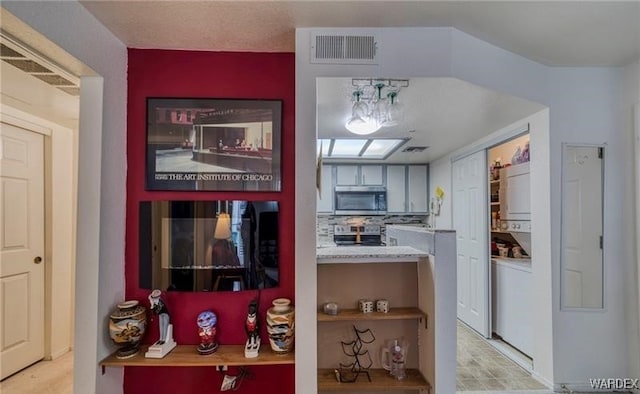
(35, 106)
(498, 356)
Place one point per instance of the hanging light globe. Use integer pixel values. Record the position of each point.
(362, 126)
(360, 122)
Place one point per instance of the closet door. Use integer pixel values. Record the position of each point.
(470, 204)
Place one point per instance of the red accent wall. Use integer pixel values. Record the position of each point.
(166, 73)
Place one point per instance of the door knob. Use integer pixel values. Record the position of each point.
(37, 260)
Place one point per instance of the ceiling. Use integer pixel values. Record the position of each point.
(441, 113)
(556, 33)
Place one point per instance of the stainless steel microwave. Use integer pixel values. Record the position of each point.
(360, 200)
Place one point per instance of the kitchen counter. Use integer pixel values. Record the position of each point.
(367, 254)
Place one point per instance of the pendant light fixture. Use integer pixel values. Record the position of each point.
(360, 121)
(375, 105)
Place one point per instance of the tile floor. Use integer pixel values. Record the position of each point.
(481, 368)
(44, 377)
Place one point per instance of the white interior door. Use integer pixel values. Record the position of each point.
(21, 248)
(582, 228)
(470, 203)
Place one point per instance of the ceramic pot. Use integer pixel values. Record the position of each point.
(281, 325)
(127, 325)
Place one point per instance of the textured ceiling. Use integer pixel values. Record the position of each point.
(560, 33)
(444, 113)
(441, 113)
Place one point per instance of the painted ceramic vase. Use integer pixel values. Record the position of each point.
(127, 325)
(281, 325)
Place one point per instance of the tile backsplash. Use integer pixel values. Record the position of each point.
(325, 223)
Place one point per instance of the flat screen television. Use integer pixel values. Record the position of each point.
(220, 245)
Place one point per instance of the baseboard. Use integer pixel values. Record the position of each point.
(541, 379)
(59, 353)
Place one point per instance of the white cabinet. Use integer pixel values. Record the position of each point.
(417, 190)
(354, 175)
(325, 196)
(512, 300)
(515, 192)
(407, 188)
(347, 175)
(371, 175)
(406, 184)
(396, 189)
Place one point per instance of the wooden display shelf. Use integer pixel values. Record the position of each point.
(355, 314)
(380, 381)
(187, 356)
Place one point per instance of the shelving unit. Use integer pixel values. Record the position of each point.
(187, 356)
(380, 381)
(344, 280)
(494, 188)
(355, 315)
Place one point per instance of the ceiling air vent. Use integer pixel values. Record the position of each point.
(414, 149)
(26, 59)
(343, 49)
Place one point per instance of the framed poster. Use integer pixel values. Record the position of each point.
(213, 144)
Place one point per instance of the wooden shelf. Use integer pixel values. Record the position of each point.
(355, 314)
(380, 381)
(187, 356)
(495, 203)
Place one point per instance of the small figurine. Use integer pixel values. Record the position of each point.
(207, 330)
(165, 343)
(252, 328)
(160, 309)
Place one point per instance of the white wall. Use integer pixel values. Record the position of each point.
(631, 118)
(60, 292)
(583, 107)
(423, 54)
(101, 179)
(440, 174)
(593, 119)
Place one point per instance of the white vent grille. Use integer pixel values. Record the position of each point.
(26, 59)
(415, 149)
(343, 49)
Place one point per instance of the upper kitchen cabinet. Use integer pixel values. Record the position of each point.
(325, 196)
(396, 189)
(359, 175)
(417, 187)
(407, 188)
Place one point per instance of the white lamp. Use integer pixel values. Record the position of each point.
(223, 227)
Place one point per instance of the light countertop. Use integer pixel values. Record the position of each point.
(367, 254)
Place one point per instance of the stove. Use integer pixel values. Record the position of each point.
(364, 235)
